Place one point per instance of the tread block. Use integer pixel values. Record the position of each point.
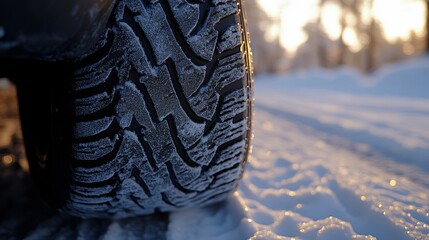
(186, 14)
(132, 105)
(91, 128)
(94, 150)
(93, 104)
(229, 70)
(230, 39)
(204, 42)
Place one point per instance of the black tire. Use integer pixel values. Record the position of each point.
(157, 119)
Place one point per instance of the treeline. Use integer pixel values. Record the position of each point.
(320, 50)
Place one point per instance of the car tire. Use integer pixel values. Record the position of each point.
(158, 118)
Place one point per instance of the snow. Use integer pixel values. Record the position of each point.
(336, 155)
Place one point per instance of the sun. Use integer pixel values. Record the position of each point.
(400, 17)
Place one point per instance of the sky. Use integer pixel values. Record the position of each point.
(397, 17)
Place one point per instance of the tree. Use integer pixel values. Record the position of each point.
(343, 25)
(369, 64)
(321, 50)
(427, 26)
(268, 53)
(308, 54)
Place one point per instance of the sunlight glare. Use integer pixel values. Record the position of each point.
(331, 14)
(397, 20)
(351, 39)
(293, 16)
(400, 17)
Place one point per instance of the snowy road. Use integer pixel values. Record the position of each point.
(328, 163)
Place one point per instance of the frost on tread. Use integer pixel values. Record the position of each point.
(161, 110)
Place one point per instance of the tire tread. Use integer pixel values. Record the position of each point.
(170, 83)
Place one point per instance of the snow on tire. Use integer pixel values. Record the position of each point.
(162, 111)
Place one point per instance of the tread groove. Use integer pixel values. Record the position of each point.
(179, 93)
(109, 194)
(100, 161)
(212, 65)
(223, 147)
(226, 90)
(109, 182)
(149, 102)
(180, 39)
(108, 132)
(146, 146)
(143, 40)
(97, 55)
(180, 149)
(166, 200)
(105, 86)
(136, 174)
(135, 200)
(174, 179)
(108, 110)
(204, 10)
(224, 171)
